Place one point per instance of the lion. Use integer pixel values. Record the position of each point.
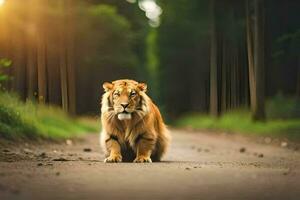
(132, 126)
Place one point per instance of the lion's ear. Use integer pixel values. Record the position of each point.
(107, 86)
(142, 87)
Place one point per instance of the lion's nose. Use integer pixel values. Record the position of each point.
(124, 105)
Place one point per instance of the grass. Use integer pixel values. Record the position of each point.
(239, 121)
(31, 120)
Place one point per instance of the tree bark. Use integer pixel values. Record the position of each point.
(213, 65)
(259, 109)
(63, 75)
(224, 78)
(41, 54)
(41, 69)
(70, 58)
(298, 80)
(19, 63)
(31, 70)
(31, 64)
(63, 59)
(249, 25)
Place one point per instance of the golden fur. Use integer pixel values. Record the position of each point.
(132, 126)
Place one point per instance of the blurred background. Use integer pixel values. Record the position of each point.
(230, 65)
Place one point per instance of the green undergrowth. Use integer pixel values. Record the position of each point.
(239, 121)
(32, 120)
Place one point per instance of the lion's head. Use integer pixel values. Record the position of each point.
(123, 98)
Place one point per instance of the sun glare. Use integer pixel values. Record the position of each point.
(152, 11)
(2, 2)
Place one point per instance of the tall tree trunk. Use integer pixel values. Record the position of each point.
(31, 69)
(54, 89)
(31, 63)
(234, 78)
(213, 64)
(41, 68)
(250, 37)
(70, 58)
(19, 64)
(259, 109)
(63, 58)
(224, 77)
(41, 53)
(298, 80)
(63, 75)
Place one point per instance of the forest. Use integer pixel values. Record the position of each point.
(224, 75)
(207, 63)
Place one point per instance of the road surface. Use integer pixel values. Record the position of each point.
(197, 166)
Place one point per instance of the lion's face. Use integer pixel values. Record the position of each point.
(125, 97)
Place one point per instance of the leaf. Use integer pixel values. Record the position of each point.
(5, 62)
(3, 77)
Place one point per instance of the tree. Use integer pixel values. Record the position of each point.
(31, 49)
(70, 57)
(41, 51)
(298, 80)
(250, 38)
(213, 65)
(255, 50)
(259, 63)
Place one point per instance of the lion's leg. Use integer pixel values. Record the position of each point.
(114, 149)
(158, 152)
(144, 147)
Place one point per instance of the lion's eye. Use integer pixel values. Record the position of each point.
(132, 93)
(116, 94)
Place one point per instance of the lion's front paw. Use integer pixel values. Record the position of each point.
(142, 159)
(113, 159)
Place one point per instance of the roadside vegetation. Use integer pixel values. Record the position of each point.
(32, 120)
(283, 120)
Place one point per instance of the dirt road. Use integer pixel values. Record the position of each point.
(198, 166)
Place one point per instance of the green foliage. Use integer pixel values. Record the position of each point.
(280, 107)
(287, 45)
(104, 47)
(106, 37)
(30, 120)
(3, 77)
(152, 59)
(4, 63)
(182, 43)
(240, 122)
(152, 64)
